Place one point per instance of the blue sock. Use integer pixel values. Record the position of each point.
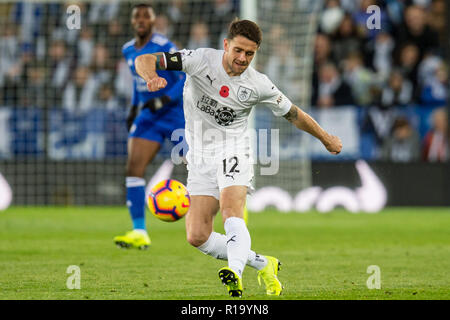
(136, 201)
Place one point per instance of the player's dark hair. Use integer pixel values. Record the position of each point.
(142, 5)
(245, 28)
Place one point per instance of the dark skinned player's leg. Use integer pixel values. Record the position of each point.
(140, 153)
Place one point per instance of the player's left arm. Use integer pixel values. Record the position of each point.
(305, 122)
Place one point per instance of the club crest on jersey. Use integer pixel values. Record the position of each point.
(244, 93)
(225, 116)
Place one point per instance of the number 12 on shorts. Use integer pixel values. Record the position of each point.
(231, 164)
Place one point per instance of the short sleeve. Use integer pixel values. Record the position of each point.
(273, 98)
(191, 60)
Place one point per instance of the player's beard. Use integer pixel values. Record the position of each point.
(143, 34)
(237, 67)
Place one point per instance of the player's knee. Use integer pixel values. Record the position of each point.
(197, 238)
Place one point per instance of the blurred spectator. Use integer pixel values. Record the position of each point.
(80, 92)
(33, 91)
(382, 54)
(223, 12)
(116, 38)
(199, 36)
(436, 142)
(394, 9)
(436, 18)
(275, 33)
(427, 67)
(408, 63)
(345, 39)
(59, 64)
(178, 14)
(322, 49)
(106, 98)
(102, 65)
(29, 16)
(434, 92)
(175, 11)
(101, 12)
(123, 83)
(359, 78)
(397, 92)
(162, 25)
(331, 90)
(417, 31)
(403, 145)
(85, 47)
(322, 55)
(331, 17)
(9, 65)
(283, 69)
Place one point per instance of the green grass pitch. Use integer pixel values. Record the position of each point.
(324, 256)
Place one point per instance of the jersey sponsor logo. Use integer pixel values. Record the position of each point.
(225, 116)
(224, 91)
(244, 93)
(208, 105)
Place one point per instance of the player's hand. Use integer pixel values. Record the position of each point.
(156, 84)
(131, 116)
(333, 144)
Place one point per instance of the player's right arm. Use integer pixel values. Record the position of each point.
(305, 122)
(147, 64)
(280, 105)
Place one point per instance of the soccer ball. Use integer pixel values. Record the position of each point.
(169, 200)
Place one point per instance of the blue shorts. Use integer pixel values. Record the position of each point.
(159, 125)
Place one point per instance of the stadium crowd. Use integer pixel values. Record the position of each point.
(402, 63)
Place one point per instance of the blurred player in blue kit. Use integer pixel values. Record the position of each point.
(153, 117)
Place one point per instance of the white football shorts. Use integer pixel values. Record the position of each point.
(209, 179)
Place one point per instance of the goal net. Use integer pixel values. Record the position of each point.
(65, 90)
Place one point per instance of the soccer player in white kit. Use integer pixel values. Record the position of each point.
(220, 91)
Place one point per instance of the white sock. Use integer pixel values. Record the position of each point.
(238, 244)
(142, 231)
(256, 261)
(216, 246)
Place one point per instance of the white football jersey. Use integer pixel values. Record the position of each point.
(217, 106)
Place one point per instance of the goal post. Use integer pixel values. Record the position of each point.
(286, 57)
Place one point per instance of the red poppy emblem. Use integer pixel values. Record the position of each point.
(224, 91)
